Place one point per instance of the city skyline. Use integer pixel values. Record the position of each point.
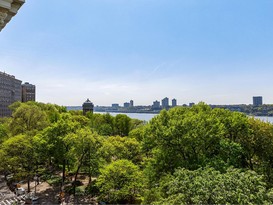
(172, 102)
(218, 52)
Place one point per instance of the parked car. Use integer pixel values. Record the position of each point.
(20, 191)
(31, 199)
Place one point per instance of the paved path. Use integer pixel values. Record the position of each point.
(7, 197)
(10, 200)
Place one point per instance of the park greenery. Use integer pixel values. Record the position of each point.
(186, 155)
(261, 110)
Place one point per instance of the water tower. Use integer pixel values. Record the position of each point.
(87, 106)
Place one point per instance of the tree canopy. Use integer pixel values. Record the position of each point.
(186, 155)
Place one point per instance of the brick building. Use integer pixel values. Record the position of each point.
(28, 92)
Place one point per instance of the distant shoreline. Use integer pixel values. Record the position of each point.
(260, 111)
(133, 112)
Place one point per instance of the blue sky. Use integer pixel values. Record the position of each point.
(112, 51)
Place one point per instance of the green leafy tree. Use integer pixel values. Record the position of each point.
(103, 123)
(208, 186)
(19, 156)
(116, 148)
(52, 111)
(235, 124)
(3, 132)
(83, 151)
(259, 146)
(122, 125)
(120, 182)
(136, 123)
(230, 154)
(201, 136)
(56, 146)
(183, 137)
(27, 118)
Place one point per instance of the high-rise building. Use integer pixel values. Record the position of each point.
(165, 102)
(126, 104)
(10, 92)
(257, 100)
(131, 103)
(28, 92)
(191, 104)
(156, 105)
(87, 106)
(115, 106)
(174, 102)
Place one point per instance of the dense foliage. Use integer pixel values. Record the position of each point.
(208, 186)
(261, 110)
(120, 182)
(196, 155)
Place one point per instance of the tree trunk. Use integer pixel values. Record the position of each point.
(76, 175)
(89, 167)
(64, 162)
(28, 184)
(90, 176)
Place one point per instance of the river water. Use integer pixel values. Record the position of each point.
(265, 119)
(141, 116)
(148, 116)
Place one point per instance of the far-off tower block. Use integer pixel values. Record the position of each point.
(257, 100)
(87, 106)
(28, 92)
